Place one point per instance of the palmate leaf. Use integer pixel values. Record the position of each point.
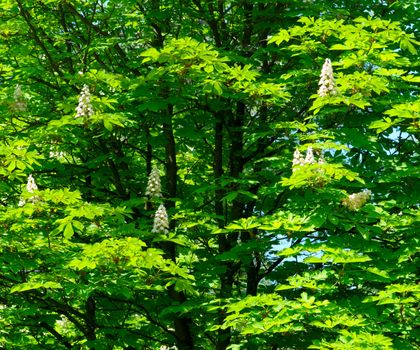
(353, 340)
(342, 257)
(319, 175)
(325, 254)
(395, 294)
(340, 320)
(23, 287)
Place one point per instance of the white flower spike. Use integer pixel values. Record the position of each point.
(19, 104)
(299, 160)
(161, 221)
(326, 82)
(31, 185)
(154, 189)
(356, 200)
(309, 159)
(84, 108)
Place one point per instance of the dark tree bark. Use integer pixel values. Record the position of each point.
(182, 324)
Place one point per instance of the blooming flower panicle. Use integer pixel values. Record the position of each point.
(161, 221)
(19, 104)
(356, 200)
(84, 108)
(31, 185)
(309, 159)
(56, 154)
(299, 160)
(154, 189)
(326, 82)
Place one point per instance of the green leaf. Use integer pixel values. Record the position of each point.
(283, 35)
(68, 231)
(23, 287)
(108, 125)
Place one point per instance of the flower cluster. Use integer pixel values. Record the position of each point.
(84, 108)
(31, 187)
(299, 160)
(153, 189)
(161, 221)
(19, 104)
(326, 81)
(56, 154)
(356, 200)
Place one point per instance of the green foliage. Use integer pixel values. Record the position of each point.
(266, 247)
